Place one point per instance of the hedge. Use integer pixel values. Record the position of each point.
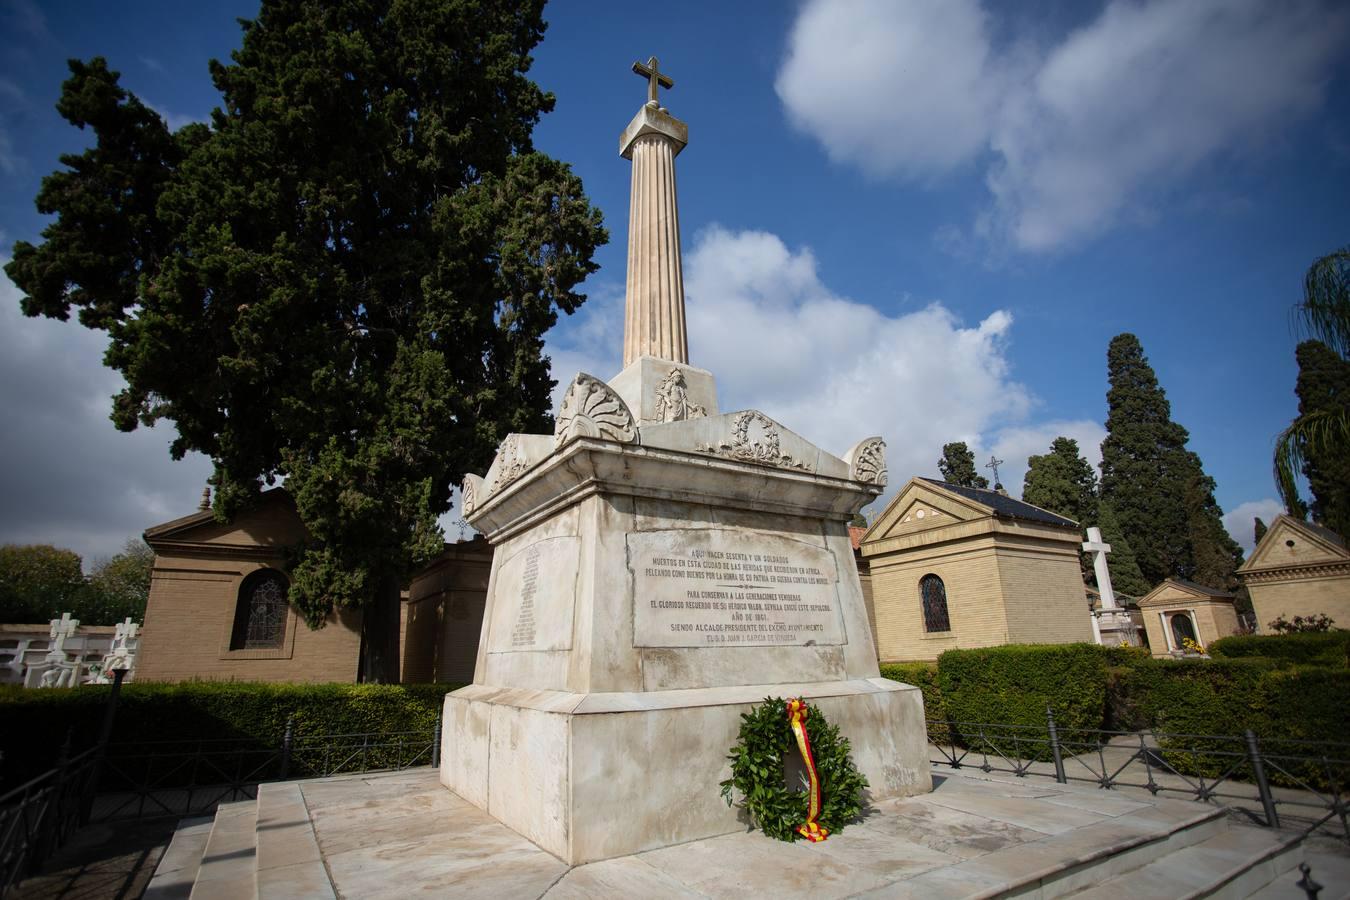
(36, 722)
(1323, 648)
(1278, 702)
(1014, 684)
(924, 676)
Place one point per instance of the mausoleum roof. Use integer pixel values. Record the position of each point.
(1003, 505)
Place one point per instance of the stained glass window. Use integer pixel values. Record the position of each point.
(934, 604)
(260, 617)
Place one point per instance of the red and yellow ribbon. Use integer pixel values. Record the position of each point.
(811, 830)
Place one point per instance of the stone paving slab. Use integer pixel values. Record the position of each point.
(974, 835)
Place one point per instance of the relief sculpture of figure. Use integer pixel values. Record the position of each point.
(672, 399)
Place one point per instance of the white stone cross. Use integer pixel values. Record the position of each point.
(1099, 549)
(62, 628)
(120, 655)
(125, 631)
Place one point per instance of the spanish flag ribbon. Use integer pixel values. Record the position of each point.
(811, 830)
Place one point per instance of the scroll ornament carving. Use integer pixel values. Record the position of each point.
(869, 462)
(511, 463)
(672, 400)
(591, 408)
(471, 492)
(754, 439)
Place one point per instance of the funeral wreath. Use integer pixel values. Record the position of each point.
(773, 732)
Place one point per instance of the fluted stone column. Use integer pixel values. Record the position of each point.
(654, 308)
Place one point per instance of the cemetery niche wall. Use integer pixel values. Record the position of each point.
(959, 567)
(218, 611)
(660, 568)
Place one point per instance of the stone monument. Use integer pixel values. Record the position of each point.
(1110, 623)
(660, 568)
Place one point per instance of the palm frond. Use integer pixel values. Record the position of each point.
(1325, 309)
(1322, 431)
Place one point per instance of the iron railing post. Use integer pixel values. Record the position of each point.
(436, 739)
(1310, 887)
(287, 740)
(1054, 746)
(1262, 783)
(104, 738)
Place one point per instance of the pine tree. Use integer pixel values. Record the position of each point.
(1324, 387)
(958, 466)
(343, 280)
(1063, 482)
(1259, 529)
(1157, 488)
(1125, 575)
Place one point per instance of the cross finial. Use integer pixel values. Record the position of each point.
(994, 463)
(651, 70)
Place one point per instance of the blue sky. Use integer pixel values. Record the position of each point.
(924, 220)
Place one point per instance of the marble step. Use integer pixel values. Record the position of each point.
(229, 863)
(1232, 864)
(289, 864)
(177, 868)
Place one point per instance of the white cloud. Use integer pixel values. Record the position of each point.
(1240, 520)
(67, 476)
(1078, 134)
(833, 369)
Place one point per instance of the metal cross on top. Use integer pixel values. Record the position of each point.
(994, 463)
(651, 70)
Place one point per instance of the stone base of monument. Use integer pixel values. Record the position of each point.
(593, 776)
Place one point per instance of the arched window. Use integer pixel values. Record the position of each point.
(260, 613)
(1182, 628)
(934, 595)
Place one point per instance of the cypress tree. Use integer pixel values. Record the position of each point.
(344, 280)
(1063, 482)
(958, 466)
(1259, 529)
(1157, 489)
(1324, 386)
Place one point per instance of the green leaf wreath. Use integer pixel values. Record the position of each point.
(765, 740)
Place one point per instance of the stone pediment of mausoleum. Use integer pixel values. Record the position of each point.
(264, 527)
(1294, 549)
(922, 507)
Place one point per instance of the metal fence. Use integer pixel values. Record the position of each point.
(39, 816)
(1304, 785)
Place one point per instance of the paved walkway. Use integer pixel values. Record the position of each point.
(379, 836)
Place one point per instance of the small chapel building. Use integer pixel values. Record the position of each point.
(218, 607)
(954, 566)
(1178, 610)
(1298, 569)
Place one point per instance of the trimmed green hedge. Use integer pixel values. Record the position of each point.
(36, 722)
(1013, 684)
(924, 676)
(1324, 648)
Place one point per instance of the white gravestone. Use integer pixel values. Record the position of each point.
(122, 655)
(660, 568)
(1110, 620)
(60, 670)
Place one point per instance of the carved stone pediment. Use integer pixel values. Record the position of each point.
(754, 439)
(591, 408)
(867, 461)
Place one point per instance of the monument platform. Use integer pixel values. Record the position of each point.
(403, 834)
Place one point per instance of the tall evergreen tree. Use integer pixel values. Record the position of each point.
(958, 466)
(1125, 575)
(1324, 387)
(344, 280)
(1157, 488)
(1063, 482)
(1258, 529)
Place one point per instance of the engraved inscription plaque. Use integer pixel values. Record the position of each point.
(534, 598)
(714, 588)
